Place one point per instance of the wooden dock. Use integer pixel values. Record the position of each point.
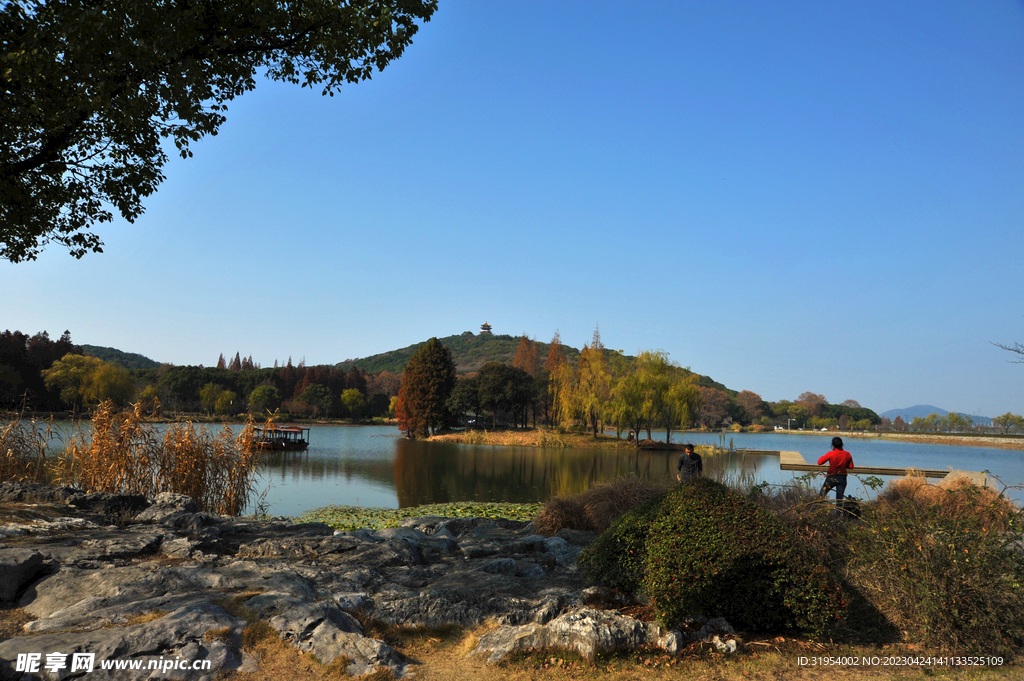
(793, 461)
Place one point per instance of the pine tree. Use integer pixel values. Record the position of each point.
(236, 363)
(221, 364)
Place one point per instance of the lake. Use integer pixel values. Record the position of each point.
(373, 466)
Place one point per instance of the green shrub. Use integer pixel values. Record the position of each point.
(952, 581)
(616, 558)
(704, 549)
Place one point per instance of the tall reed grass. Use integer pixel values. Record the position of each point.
(23, 446)
(125, 454)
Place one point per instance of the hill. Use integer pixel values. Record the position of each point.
(923, 410)
(470, 352)
(129, 360)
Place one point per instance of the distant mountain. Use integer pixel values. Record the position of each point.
(129, 360)
(923, 410)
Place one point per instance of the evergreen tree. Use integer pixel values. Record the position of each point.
(426, 385)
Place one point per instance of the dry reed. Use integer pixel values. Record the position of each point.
(126, 455)
(23, 445)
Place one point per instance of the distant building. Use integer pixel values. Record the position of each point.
(485, 328)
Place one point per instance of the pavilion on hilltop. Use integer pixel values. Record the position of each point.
(485, 328)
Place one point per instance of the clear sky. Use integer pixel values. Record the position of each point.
(785, 196)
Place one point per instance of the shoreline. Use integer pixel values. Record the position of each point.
(543, 437)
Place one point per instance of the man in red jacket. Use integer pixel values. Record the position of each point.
(838, 462)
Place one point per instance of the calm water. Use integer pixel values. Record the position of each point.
(373, 466)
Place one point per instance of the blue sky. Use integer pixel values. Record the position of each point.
(784, 196)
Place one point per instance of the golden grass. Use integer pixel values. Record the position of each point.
(12, 621)
(955, 496)
(538, 437)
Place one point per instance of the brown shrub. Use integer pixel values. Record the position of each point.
(598, 507)
(957, 496)
(566, 512)
(606, 502)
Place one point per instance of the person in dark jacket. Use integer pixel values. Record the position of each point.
(690, 465)
(839, 461)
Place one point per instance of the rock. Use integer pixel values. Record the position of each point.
(564, 552)
(33, 493)
(351, 602)
(17, 568)
(164, 637)
(165, 505)
(121, 505)
(726, 647)
(583, 630)
(502, 566)
(303, 579)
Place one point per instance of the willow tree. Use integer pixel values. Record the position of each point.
(91, 91)
(583, 392)
(682, 403)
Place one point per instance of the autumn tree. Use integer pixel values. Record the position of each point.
(581, 393)
(427, 382)
(812, 402)
(751, 404)
(92, 91)
(526, 356)
(714, 407)
(556, 355)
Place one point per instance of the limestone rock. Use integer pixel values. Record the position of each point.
(583, 630)
(17, 568)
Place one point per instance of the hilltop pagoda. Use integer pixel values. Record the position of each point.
(485, 328)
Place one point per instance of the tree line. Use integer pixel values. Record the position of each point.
(41, 374)
(597, 389)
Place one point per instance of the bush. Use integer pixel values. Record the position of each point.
(703, 549)
(946, 577)
(598, 507)
(617, 558)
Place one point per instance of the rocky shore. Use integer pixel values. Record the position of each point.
(129, 578)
